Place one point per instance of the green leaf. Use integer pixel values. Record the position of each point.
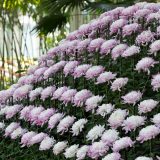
(51, 22)
(20, 71)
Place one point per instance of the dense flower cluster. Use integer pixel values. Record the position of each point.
(96, 94)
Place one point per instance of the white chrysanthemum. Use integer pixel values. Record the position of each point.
(47, 143)
(10, 128)
(78, 126)
(110, 136)
(3, 110)
(12, 110)
(59, 147)
(81, 153)
(147, 106)
(18, 132)
(2, 125)
(117, 117)
(95, 132)
(92, 102)
(156, 119)
(105, 109)
(143, 158)
(71, 151)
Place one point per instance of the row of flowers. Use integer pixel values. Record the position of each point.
(94, 151)
(20, 92)
(40, 116)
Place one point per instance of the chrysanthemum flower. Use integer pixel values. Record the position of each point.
(148, 133)
(145, 64)
(110, 136)
(71, 151)
(59, 147)
(78, 126)
(97, 149)
(122, 143)
(147, 106)
(132, 122)
(132, 97)
(95, 133)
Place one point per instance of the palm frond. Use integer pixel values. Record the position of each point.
(51, 22)
(63, 5)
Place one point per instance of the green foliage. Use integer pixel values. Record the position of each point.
(51, 22)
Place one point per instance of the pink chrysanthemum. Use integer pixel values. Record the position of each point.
(59, 91)
(129, 11)
(130, 51)
(147, 106)
(24, 113)
(81, 70)
(122, 143)
(118, 51)
(83, 45)
(97, 149)
(68, 96)
(112, 156)
(26, 138)
(142, 13)
(145, 37)
(69, 67)
(155, 47)
(44, 116)
(39, 72)
(54, 120)
(145, 64)
(148, 133)
(47, 92)
(95, 45)
(129, 29)
(110, 136)
(81, 96)
(118, 83)
(105, 77)
(117, 25)
(37, 138)
(94, 72)
(132, 122)
(107, 46)
(155, 82)
(65, 123)
(22, 92)
(34, 113)
(132, 97)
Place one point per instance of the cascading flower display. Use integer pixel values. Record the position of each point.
(93, 96)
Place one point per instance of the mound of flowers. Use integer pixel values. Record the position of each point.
(96, 94)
